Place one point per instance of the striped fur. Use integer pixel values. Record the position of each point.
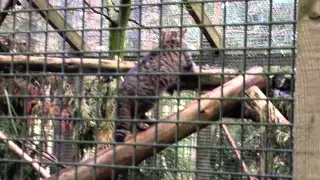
(150, 85)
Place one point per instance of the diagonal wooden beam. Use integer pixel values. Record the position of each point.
(10, 4)
(58, 23)
(209, 32)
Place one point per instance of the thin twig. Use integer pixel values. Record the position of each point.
(136, 22)
(131, 20)
(23, 155)
(45, 154)
(9, 110)
(236, 151)
(117, 10)
(108, 18)
(98, 12)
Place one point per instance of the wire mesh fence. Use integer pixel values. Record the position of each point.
(81, 80)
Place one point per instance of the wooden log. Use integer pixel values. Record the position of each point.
(166, 131)
(209, 78)
(211, 33)
(16, 149)
(55, 19)
(7, 7)
(257, 108)
(70, 64)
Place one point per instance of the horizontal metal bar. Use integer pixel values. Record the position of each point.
(198, 74)
(158, 145)
(153, 50)
(137, 4)
(153, 27)
(154, 169)
(195, 121)
(149, 97)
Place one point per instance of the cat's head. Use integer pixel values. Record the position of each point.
(173, 37)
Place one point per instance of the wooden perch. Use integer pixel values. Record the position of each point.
(24, 156)
(55, 63)
(58, 23)
(166, 132)
(257, 108)
(210, 33)
(210, 78)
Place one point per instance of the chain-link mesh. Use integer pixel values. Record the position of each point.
(60, 80)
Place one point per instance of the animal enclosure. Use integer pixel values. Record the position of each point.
(80, 78)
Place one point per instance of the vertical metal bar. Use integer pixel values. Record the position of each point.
(222, 81)
(267, 88)
(100, 31)
(243, 75)
(136, 119)
(136, 107)
(79, 82)
(98, 75)
(114, 176)
(199, 176)
(292, 85)
(24, 132)
(60, 136)
(10, 85)
(154, 157)
(44, 79)
(178, 93)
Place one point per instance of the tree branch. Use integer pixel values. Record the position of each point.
(24, 156)
(98, 12)
(108, 18)
(136, 22)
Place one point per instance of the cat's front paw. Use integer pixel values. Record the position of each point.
(142, 126)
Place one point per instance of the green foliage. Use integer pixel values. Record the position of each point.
(248, 136)
(95, 108)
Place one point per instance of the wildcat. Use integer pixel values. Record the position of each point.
(150, 85)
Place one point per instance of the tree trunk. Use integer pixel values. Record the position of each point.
(117, 37)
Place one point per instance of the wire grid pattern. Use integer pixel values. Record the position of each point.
(258, 15)
(274, 37)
